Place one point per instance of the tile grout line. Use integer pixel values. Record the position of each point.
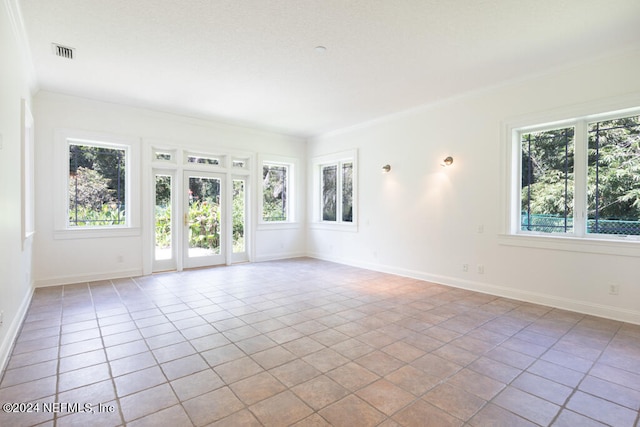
(373, 307)
(168, 382)
(104, 349)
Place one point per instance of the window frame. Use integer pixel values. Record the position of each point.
(291, 210)
(578, 240)
(578, 153)
(338, 160)
(64, 139)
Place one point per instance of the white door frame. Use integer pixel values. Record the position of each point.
(161, 157)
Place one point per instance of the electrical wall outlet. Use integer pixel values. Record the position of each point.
(1, 317)
(480, 269)
(614, 289)
(465, 267)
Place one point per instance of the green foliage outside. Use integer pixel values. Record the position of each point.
(204, 225)
(96, 186)
(163, 226)
(204, 221)
(614, 155)
(329, 192)
(204, 218)
(613, 178)
(238, 216)
(106, 215)
(274, 194)
(91, 201)
(347, 192)
(330, 184)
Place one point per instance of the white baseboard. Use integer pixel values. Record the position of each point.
(584, 307)
(6, 346)
(69, 280)
(279, 256)
(84, 278)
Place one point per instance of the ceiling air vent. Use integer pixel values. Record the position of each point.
(63, 51)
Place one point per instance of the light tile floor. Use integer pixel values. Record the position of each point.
(310, 343)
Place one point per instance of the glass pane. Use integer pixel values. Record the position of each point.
(204, 216)
(239, 164)
(203, 160)
(163, 217)
(238, 215)
(274, 194)
(547, 181)
(329, 192)
(613, 188)
(96, 186)
(347, 192)
(160, 155)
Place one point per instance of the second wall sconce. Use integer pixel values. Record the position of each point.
(386, 168)
(448, 161)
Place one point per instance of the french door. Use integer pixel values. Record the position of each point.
(239, 200)
(200, 219)
(204, 219)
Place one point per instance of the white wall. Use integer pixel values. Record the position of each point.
(59, 261)
(15, 261)
(422, 220)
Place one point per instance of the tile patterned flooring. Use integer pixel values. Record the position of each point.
(310, 343)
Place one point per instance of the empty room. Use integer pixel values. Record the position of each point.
(320, 213)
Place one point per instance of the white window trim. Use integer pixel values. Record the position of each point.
(579, 240)
(317, 163)
(63, 138)
(292, 163)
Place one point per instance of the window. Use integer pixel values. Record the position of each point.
(580, 178)
(613, 177)
(335, 192)
(547, 180)
(239, 212)
(275, 192)
(163, 156)
(239, 163)
(97, 184)
(203, 160)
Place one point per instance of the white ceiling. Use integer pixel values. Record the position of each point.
(254, 62)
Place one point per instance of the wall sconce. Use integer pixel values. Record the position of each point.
(447, 161)
(386, 168)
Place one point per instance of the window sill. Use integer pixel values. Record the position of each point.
(340, 226)
(93, 233)
(608, 246)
